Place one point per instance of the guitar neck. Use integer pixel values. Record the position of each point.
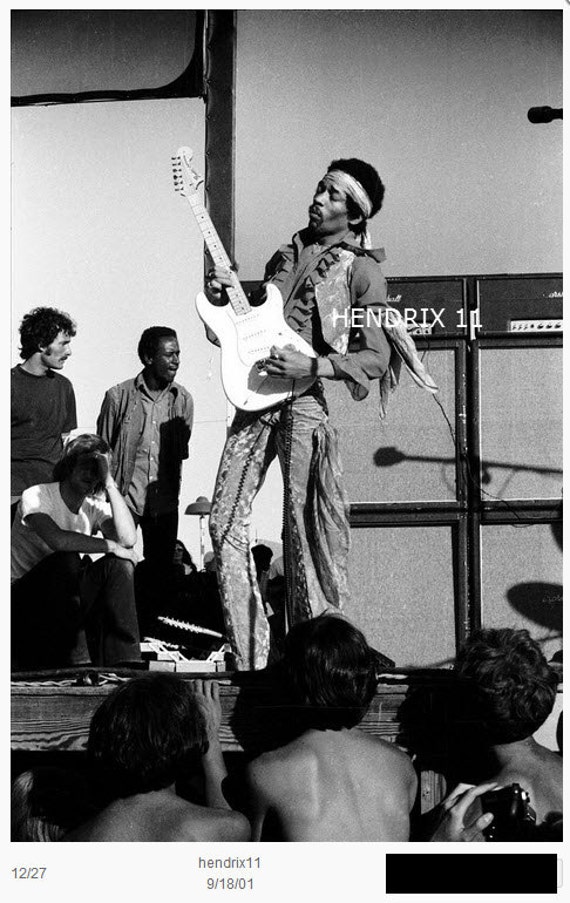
(217, 252)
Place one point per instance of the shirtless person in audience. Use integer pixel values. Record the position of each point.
(512, 690)
(147, 735)
(334, 782)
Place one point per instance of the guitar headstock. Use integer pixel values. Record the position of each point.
(186, 179)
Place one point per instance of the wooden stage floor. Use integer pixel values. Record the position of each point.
(51, 713)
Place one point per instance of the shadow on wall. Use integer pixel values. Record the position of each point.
(540, 602)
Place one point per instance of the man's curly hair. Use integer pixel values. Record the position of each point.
(511, 687)
(40, 327)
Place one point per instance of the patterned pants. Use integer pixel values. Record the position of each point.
(316, 532)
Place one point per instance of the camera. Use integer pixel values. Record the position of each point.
(514, 818)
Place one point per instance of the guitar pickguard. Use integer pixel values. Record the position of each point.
(245, 340)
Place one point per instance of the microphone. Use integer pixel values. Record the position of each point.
(543, 114)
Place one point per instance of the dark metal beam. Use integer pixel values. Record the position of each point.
(220, 123)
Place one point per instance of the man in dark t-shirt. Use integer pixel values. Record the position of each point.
(43, 401)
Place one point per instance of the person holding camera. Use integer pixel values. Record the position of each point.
(507, 691)
(461, 819)
(510, 692)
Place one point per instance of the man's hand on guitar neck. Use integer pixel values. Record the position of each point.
(291, 364)
(217, 280)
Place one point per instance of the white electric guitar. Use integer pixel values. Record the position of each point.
(245, 333)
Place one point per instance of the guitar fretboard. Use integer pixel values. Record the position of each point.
(236, 294)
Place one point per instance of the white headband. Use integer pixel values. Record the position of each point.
(352, 188)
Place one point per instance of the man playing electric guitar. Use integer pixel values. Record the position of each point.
(325, 273)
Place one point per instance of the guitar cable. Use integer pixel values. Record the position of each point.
(287, 504)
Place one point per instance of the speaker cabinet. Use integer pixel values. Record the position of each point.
(408, 456)
(403, 593)
(521, 577)
(521, 422)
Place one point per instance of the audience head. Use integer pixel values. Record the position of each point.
(147, 734)
(262, 556)
(182, 556)
(210, 563)
(47, 802)
(41, 327)
(512, 688)
(149, 341)
(83, 452)
(329, 668)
